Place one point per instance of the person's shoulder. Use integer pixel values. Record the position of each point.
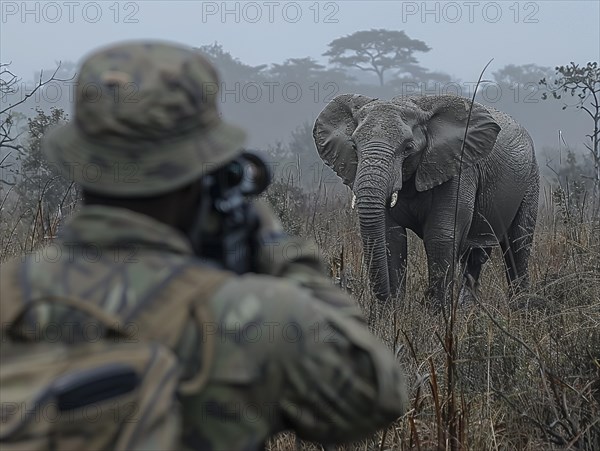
(256, 322)
(268, 291)
(272, 306)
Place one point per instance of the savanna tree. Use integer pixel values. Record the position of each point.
(376, 51)
(583, 85)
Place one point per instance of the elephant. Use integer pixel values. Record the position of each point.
(405, 162)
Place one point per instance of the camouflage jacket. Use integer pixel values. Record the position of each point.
(291, 350)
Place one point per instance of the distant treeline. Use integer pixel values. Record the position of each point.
(273, 100)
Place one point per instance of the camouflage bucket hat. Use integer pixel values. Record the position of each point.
(145, 122)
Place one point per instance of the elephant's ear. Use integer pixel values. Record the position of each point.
(445, 134)
(333, 134)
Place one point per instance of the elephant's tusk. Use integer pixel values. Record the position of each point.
(394, 199)
(353, 204)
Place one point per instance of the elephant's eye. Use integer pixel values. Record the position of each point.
(409, 147)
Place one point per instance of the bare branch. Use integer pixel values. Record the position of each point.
(39, 85)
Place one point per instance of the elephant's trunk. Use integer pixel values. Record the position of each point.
(371, 189)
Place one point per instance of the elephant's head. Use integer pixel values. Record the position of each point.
(375, 145)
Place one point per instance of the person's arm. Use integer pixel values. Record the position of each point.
(286, 359)
(344, 383)
(297, 259)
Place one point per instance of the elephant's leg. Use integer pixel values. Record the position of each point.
(472, 262)
(445, 232)
(516, 244)
(440, 263)
(396, 256)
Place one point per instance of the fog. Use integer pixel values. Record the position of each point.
(275, 78)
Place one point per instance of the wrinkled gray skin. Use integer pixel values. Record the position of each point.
(412, 146)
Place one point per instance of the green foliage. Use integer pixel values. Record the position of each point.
(33, 163)
(376, 51)
(10, 124)
(41, 188)
(10, 130)
(9, 119)
(584, 84)
(580, 82)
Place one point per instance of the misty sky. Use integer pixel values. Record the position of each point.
(463, 36)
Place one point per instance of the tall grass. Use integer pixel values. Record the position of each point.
(497, 376)
(504, 372)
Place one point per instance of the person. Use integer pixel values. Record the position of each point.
(290, 350)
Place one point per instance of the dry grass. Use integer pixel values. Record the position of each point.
(488, 376)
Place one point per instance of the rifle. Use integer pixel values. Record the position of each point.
(226, 223)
